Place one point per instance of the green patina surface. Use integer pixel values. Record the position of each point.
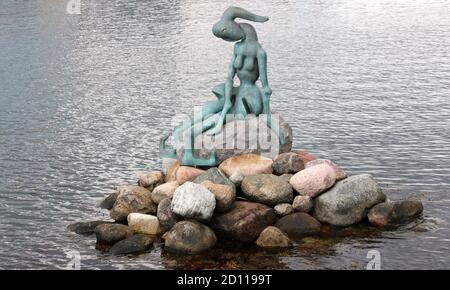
(249, 62)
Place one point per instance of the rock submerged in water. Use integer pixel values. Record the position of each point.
(85, 228)
(224, 194)
(298, 224)
(109, 234)
(287, 163)
(273, 237)
(163, 191)
(388, 213)
(135, 244)
(189, 237)
(166, 217)
(251, 140)
(267, 189)
(314, 180)
(246, 164)
(144, 223)
(340, 173)
(193, 201)
(348, 201)
(132, 199)
(244, 222)
(150, 180)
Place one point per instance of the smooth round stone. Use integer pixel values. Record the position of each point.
(151, 179)
(193, 201)
(163, 191)
(273, 237)
(132, 199)
(348, 201)
(287, 163)
(267, 189)
(187, 173)
(144, 223)
(314, 180)
(283, 209)
(189, 237)
(303, 203)
(340, 173)
(246, 164)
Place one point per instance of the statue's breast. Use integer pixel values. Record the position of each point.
(246, 57)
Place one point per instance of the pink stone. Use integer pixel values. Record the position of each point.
(314, 180)
(186, 173)
(340, 173)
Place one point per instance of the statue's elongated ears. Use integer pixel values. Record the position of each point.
(236, 12)
(230, 30)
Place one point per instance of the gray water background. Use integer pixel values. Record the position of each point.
(85, 98)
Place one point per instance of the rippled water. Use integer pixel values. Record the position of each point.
(84, 99)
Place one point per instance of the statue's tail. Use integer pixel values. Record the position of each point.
(235, 12)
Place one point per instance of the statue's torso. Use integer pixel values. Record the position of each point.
(246, 63)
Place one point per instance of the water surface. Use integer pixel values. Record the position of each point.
(85, 98)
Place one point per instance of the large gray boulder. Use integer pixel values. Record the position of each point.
(250, 135)
(348, 201)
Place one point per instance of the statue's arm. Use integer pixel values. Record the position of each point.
(262, 66)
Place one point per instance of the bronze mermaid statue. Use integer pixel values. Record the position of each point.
(248, 63)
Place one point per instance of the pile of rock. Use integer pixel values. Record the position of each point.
(248, 198)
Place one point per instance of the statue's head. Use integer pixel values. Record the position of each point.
(228, 29)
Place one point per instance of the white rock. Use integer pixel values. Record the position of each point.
(192, 200)
(144, 223)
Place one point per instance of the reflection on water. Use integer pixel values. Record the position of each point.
(84, 99)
